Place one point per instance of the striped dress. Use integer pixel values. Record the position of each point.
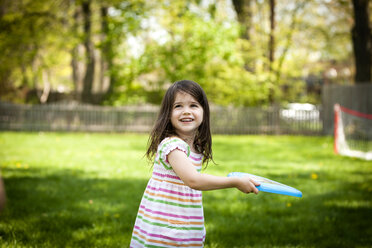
(170, 213)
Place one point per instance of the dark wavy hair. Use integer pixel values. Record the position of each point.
(163, 127)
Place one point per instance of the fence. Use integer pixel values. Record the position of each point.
(224, 120)
(356, 97)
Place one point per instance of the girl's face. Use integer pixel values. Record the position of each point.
(187, 114)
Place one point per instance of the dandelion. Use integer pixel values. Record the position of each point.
(289, 204)
(18, 165)
(314, 176)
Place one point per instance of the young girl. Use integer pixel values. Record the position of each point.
(171, 211)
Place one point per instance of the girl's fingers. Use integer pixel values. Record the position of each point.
(255, 190)
(248, 186)
(252, 187)
(254, 182)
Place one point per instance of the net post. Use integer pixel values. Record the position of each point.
(336, 109)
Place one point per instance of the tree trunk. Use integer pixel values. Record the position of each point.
(105, 51)
(46, 87)
(89, 49)
(288, 38)
(77, 68)
(362, 44)
(244, 14)
(272, 33)
(76, 54)
(107, 56)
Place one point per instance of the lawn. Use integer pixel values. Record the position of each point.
(83, 190)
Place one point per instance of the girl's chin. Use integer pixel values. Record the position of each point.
(185, 132)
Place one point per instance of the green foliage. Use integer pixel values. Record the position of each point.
(202, 50)
(192, 51)
(30, 41)
(83, 190)
(147, 45)
(124, 21)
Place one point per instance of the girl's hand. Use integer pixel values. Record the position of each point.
(247, 185)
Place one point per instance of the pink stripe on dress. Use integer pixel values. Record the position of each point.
(165, 175)
(171, 215)
(174, 192)
(166, 237)
(196, 159)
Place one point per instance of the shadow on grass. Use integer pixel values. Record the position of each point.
(340, 217)
(68, 208)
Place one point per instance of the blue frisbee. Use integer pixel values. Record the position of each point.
(270, 186)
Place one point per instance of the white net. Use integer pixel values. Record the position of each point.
(353, 133)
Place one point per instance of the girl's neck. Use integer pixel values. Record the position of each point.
(189, 140)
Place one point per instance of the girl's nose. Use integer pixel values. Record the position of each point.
(186, 111)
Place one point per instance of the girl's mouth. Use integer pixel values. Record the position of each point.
(187, 120)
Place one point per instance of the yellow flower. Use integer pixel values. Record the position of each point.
(289, 204)
(314, 176)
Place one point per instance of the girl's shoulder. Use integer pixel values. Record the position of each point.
(173, 142)
(172, 139)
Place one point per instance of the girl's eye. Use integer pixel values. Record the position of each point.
(177, 106)
(194, 105)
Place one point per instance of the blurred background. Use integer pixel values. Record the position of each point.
(244, 53)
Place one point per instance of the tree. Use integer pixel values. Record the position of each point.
(89, 49)
(243, 10)
(362, 42)
(272, 32)
(244, 15)
(30, 46)
(100, 54)
(124, 21)
(77, 52)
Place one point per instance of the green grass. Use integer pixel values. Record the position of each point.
(83, 190)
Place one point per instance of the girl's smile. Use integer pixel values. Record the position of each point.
(187, 115)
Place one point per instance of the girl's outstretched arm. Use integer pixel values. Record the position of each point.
(195, 180)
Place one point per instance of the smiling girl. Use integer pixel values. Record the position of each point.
(171, 211)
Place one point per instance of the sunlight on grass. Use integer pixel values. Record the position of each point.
(83, 190)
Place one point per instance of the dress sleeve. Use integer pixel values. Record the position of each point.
(171, 144)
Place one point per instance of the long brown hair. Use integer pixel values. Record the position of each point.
(163, 127)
